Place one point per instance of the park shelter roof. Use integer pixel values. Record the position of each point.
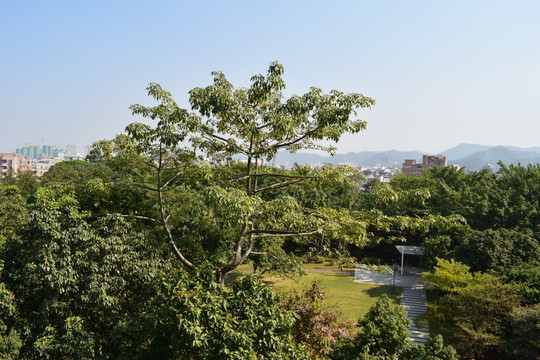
(410, 250)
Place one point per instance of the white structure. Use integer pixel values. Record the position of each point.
(409, 250)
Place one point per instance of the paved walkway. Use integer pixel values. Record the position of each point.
(413, 296)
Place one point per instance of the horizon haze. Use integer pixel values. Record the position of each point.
(442, 74)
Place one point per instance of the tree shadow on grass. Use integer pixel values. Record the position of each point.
(377, 291)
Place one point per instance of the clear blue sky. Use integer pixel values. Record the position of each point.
(442, 72)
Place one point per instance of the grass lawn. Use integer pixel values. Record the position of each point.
(351, 299)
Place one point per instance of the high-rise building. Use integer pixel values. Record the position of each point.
(36, 152)
(47, 150)
(72, 149)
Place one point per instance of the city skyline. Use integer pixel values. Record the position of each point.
(442, 73)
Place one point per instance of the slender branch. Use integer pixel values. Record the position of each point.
(285, 144)
(248, 167)
(164, 218)
(225, 141)
(216, 137)
(256, 172)
(265, 125)
(286, 175)
(277, 175)
(279, 185)
(151, 164)
(259, 253)
(172, 179)
(268, 233)
(136, 217)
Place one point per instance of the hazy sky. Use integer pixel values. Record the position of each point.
(442, 72)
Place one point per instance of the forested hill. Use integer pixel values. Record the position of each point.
(471, 156)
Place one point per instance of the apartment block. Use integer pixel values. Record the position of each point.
(12, 163)
(428, 161)
(43, 165)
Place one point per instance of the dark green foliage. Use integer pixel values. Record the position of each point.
(13, 211)
(521, 198)
(508, 200)
(195, 318)
(384, 333)
(93, 288)
(10, 336)
(433, 349)
(498, 250)
(74, 277)
(71, 342)
(472, 311)
(66, 171)
(528, 280)
(384, 329)
(524, 338)
(435, 247)
(28, 185)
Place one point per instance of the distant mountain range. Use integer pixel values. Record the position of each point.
(471, 156)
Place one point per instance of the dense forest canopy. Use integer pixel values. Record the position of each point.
(125, 255)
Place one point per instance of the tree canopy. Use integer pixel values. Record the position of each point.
(253, 123)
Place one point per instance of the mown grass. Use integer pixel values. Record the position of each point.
(340, 291)
(351, 299)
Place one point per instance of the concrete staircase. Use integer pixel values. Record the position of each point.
(413, 300)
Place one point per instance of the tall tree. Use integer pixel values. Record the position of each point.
(254, 123)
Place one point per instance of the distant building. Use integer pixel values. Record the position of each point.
(43, 165)
(73, 157)
(428, 161)
(72, 149)
(36, 152)
(12, 163)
